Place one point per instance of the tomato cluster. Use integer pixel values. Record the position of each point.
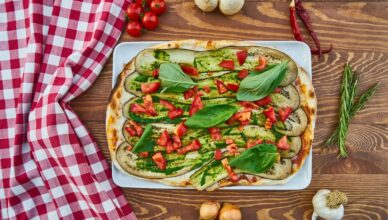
(144, 14)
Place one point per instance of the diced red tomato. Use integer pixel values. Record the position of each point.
(206, 89)
(221, 87)
(218, 154)
(232, 148)
(264, 101)
(270, 114)
(167, 104)
(249, 105)
(164, 139)
(131, 131)
(268, 124)
(180, 129)
(215, 134)
(190, 70)
(242, 56)
(137, 127)
(155, 73)
(150, 87)
(284, 113)
(232, 175)
(129, 148)
(229, 141)
(143, 154)
(149, 105)
(189, 93)
(283, 143)
(252, 143)
(193, 146)
(270, 142)
(175, 113)
(227, 64)
(159, 160)
(137, 108)
(262, 64)
(232, 87)
(170, 147)
(242, 74)
(195, 105)
(177, 143)
(278, 90)
(243, 116)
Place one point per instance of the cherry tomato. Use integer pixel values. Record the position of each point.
(134, 11)
(134, 28)
(150, 21)
(143, 2)
(158, 6)
(264, 101)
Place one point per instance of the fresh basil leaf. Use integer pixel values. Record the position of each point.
(210, 116)
(173, 79)
(145, 143)
(257, 159)
(258, 86)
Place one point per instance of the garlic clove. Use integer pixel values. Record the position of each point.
(209, 210)
(231, 7)
(230, 212)
(321, 204)
(206, 5)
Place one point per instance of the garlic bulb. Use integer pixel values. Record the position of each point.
(230, 212)
(329, 205)
(230, 7)
(209, 210)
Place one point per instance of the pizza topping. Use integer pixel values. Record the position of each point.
(159, 160)
(249, 105)
(268, 124)
(189, 93)
(167, 104)
(206, 89)
(252, 143)
(227, 64)
(195, 105)
(190, 70)
(150, 87)
(218, 154)
(242, 74)
(193, 146)
(242, 56)
(164, 139)
(284, 113)
(278, 90)
(149, 105)
(270, 114)
(232, 148)
(264, 101)
(155, 73)
(262, 64)
(137, 127)
(242, 117)
(232, 175)
(129, 148)
(180, 129)
(172, 114)
(131, 131)
(173, 79)
(137, 108)
(143, 154)
(177, 143)
(232, 87)
(215, 134)
(283, 143)
(221, 87)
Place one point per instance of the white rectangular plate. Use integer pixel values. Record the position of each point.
(298, 51)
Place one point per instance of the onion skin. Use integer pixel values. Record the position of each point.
(206, 5)
(230, 212)
(230, 7)
(209, 210)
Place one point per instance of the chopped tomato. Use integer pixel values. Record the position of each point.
(195, 105)
(262, 64)
(242, 74)
(170, 147)
(206, 89)
(137, 108)
(149, 105)
(270, 142)
(177, 143)
(283, 143)
(193, 146)
(175, 113)
(164, 139)
(221, 87)
(243, 116)
(155, 73)
(229, 141)
(278, 90)
(227, 64)
(232, 148)
(215, 134)
(242, 56)
(143, 154)
(249, 105)
(268, 124)
(270, 114)
(129, 148)
(159, 160)
(232, 87)
(252, 143)
(264, 101)
(190, 70)
(232, 175)
(131, 131)
(137, 127)
(218, 154)
(167, 104)
(180, 129)
(284, 113)
(150, 87)
(189, 93)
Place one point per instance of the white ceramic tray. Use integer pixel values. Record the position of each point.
(299, 51)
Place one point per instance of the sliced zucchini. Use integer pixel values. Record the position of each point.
(258, 132)
(132, 140)
(295, 124)
(208, 175)
(296, 145)
(288, 97)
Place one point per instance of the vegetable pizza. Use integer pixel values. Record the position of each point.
(209, 114)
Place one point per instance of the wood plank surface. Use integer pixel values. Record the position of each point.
(358, 31)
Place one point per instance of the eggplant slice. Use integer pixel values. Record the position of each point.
(288, 97)
(295, 124)
(279, 171)
(296, 145)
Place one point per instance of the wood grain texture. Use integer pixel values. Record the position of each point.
(358, 31)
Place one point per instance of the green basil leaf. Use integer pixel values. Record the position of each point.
(257, 159)
(173, 79)
(258, 86)
(145, 143)
(210, 116)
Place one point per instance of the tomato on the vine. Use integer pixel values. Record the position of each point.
(133, 28)
(134, 11)
(143, 2)
(150, 21)
(158, 6)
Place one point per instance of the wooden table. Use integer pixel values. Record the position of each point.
(359, 33)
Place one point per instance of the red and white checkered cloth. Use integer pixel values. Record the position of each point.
(50, 52)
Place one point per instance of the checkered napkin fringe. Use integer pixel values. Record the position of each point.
(50, 52)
